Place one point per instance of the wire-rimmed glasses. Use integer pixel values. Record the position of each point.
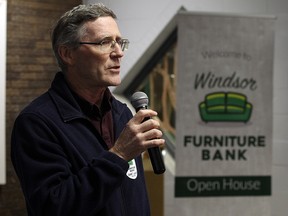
(108, 45)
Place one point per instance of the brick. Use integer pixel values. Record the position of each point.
(30, 69)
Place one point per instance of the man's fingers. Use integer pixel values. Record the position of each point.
(141, 115)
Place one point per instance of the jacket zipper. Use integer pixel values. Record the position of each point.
(123, 206)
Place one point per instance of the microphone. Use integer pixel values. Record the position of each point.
(139, 100)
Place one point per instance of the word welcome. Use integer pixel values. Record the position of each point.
(225, 54)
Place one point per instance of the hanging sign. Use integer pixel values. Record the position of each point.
(224, 115)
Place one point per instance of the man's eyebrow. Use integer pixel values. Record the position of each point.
(110, 37)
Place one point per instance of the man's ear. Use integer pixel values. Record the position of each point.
(66, 54)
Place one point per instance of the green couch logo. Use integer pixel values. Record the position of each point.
(225, 107)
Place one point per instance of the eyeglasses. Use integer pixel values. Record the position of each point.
(108, 45)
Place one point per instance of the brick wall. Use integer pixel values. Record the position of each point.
(30, 69)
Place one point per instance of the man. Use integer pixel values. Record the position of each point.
(76, 149)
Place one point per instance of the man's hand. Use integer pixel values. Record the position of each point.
(138, 136)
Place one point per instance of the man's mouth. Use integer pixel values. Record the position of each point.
(115, 68)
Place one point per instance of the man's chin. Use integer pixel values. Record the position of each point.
(115, 83)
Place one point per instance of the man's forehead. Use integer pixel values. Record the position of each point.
(102, 27)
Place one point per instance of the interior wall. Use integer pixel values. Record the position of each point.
(29, 69)
(3, 27)
(142, 21)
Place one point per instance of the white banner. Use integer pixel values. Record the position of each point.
(224, 115)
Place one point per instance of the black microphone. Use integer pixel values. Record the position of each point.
(139, 100)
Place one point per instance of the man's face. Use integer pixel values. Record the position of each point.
(92, 66)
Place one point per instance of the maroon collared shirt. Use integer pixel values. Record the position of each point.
(100, 117)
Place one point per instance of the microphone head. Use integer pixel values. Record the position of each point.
(139, 99)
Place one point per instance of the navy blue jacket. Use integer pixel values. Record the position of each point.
(64, 165)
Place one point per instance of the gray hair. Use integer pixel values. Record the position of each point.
(69, 28)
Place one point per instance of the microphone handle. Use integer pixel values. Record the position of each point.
(155, 155)
(156, 160)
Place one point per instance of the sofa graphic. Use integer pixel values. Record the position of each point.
(225, 107)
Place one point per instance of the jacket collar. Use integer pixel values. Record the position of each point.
(68, 106)
(63, 98)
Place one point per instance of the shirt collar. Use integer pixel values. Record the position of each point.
(92, 110)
